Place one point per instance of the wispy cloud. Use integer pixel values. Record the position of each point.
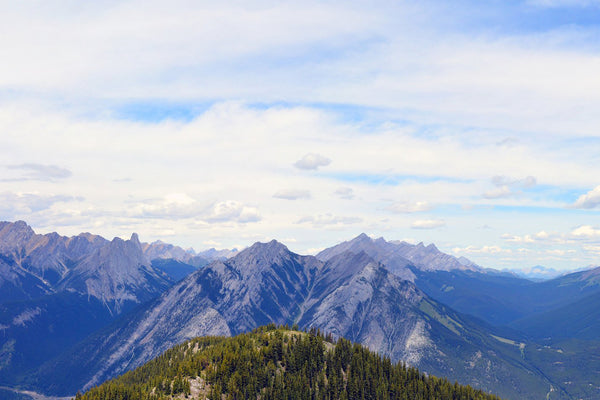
(292, 194)
(38, 172)
(20, 204)
(428, 224)
(480, 249)
(564, 3)
(507, 187)
(409, 207)
(329, 220)
(312, 161)
(345, 193)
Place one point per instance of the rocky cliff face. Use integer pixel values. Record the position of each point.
(114, 271)
(34, 264)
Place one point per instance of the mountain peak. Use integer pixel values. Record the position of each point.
(432, 247)
(362, 237)
(134, 238)
(18, 230)
(271, 247)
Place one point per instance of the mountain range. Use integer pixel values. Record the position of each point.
(115, 305)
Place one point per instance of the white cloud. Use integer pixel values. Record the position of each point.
(292, 194)
(539, 237)
(312, 161)
(172, 206)
(428, 224)
(585, 232)
(409, 207)
(589, 200)
(233, 211)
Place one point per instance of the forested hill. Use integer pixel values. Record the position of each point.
(276, 363)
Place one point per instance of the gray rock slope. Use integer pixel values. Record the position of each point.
(116, 273)
(31, 264)
(350, 295)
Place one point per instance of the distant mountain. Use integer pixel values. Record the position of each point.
(350, 295)
(221, 255)
(275, 363)
(159, 250)
(398, 256)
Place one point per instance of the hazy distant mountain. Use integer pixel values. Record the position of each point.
(350, 295)
(213, 254)
(537, 273)
(397, 256)
(159, 250)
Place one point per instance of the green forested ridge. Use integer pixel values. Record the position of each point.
(277, 363)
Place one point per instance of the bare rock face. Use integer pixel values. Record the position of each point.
(116, 273)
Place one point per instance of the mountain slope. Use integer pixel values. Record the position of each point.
(274, 363)
(577, 320)
(35, 331)
(500, 299)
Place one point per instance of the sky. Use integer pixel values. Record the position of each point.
(472, 125)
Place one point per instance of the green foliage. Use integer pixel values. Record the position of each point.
(278, 363)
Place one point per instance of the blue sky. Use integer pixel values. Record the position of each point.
(473, 125)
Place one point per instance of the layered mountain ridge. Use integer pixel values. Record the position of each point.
(126, 301)
(399, 256)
